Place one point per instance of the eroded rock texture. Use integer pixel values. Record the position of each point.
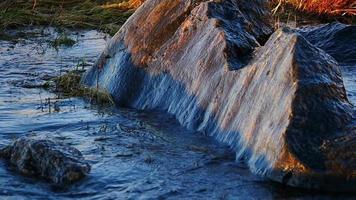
(52, 161)
(281, 105)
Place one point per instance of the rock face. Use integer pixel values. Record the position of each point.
(54, 162)
(281, 104)
(338, 40)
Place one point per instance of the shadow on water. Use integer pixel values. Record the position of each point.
(134, 154)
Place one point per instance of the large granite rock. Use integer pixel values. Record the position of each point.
(57, 163)
(280, 105)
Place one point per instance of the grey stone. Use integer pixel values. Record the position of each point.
(57, 163)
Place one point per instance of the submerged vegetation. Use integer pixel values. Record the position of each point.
(69, 86)
(94, 14)
(62, 40)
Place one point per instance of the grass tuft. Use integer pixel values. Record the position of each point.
(69, 85)
(62, 40)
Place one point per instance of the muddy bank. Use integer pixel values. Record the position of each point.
(278, 101)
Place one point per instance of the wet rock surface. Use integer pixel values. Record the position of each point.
(281, 106)
(57, 163)
(338, 40)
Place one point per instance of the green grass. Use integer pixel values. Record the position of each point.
(63, 13)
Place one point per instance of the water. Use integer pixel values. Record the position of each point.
(134, 154)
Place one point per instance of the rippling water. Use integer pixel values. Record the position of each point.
(134, 154)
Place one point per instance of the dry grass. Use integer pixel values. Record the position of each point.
(331, 7)
(310, 12)
(109, 15)
(127, 5)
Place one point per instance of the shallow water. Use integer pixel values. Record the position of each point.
(134, 154)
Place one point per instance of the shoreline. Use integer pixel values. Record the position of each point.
(72, 14)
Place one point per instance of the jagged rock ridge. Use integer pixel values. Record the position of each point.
(281, 106)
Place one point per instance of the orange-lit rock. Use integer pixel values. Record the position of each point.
(281, 105)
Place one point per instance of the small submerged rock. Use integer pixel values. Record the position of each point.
(58, 163)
